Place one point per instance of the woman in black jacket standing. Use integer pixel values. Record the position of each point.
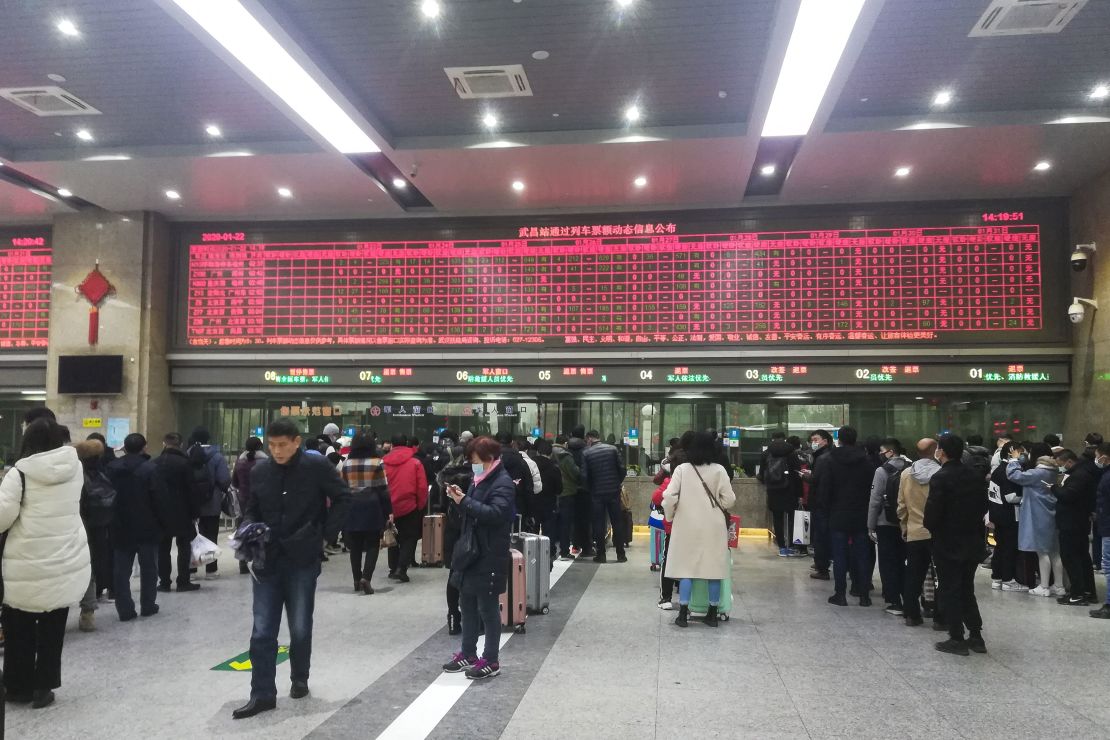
(1003, 498)
(457, 473)
(479, 565)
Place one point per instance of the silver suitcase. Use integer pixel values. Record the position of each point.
(537, 569)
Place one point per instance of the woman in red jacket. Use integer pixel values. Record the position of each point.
(408, 491)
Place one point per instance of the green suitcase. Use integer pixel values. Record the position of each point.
(699, 594)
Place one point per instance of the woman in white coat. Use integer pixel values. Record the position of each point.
(695, 501)
(46, 560)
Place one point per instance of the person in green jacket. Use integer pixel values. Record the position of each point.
(572, 479)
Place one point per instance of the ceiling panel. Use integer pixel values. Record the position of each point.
(674, 57)
(948, 163)
(18, 205)
(155, 83)
(918, 47)
(324, 185)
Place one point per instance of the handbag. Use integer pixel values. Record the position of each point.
(467, 551)
(389, 537)
(713, 498)
(656, 521)
(801, 528)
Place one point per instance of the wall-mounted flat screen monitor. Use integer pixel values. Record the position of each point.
(90, 374)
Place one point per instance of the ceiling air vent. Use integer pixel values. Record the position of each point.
(48, 101)
(489, 82)
(1021, 17)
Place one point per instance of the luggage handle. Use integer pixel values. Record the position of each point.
(519, 525)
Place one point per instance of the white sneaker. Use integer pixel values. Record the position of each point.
(666, 606)
(1059, 591)
(1014, 586)
(1040, 591)
(996, 584)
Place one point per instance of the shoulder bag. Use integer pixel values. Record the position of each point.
(716, 503)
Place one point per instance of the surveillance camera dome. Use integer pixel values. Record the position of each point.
(1076, 312)
(1079, 260)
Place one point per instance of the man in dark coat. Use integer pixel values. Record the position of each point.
(820, 445)
(844, 486)
(583, 508)
(518, 470)
(177, 474)
(141, 517)
(290, 494)
(1075, 502)
(778, 472)
(954, 515)
(603, 473)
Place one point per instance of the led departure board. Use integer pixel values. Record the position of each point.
(701, 377)
(929, 284)
(24, 292)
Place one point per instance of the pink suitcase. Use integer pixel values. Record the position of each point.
(514, 602)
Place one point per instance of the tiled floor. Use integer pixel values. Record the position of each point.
(605, 664)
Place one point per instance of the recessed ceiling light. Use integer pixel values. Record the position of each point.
(640, 181)
(285, 192)
(722, 94)
(767, 170)
(943, 97)
(624, 3)
(68, 27)
(864, 100)
(84, 134)
(55, 78)
(632, 113)
(816, 44)
(489, 120)
(232, 25)
(107, 158)
(430, 8)
(65, 192)
(399, 183)
(238, 153)
(213, 130)
(173, 195)
(518, 186)
(540, 55)
(1100, 92)
(902, 172)
(1043, 165)
(554, 115)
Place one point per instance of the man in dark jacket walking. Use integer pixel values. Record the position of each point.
(177, 475)
(844, 482)
(290, 494)
(1075, 502)
(141, 518)
(778, 472)
(954, 515)
(603, 474)
(583, 508)
(820, 444)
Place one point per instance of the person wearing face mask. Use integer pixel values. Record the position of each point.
(882, 522)
(1075, 502)
(913, 491)
(480, 561)
(1090, 452)
(1004, 497)
(1102, 520)
(1037, 519)
(820, 443)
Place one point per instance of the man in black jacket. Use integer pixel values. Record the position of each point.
(1075, 502)
(954, 515)
(290, 493)
(177, 473)
(140, 519)
(518, 470)
(603, 474)
(820, 444)
(778, 472)
(844, 482)
(583, 508)
(547, 503)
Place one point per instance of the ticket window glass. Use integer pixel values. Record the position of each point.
(804, 418)
(11, 428)
(1027, 419)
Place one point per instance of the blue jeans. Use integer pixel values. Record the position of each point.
(1106, 564)
(855, 556)
(294, 589)
(566, 524)
(122, 563)
(481, 611)
(686, 585)
(611, 508)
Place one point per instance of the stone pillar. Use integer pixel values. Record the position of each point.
(135, 255)
(1089, 401)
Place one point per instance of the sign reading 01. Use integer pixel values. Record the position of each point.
(870, 285)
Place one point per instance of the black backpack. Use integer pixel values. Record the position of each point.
(894, 470)
(99, 500)
(777, 475)
(201, 483)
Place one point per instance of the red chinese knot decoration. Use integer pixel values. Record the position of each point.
(95, 288)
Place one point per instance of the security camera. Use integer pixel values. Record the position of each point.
(1076, 311)
(1079, 257)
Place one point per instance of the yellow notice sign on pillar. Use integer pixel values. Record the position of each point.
(92, 422)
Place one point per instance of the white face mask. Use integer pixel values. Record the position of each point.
(815, 446)
(1100, 464)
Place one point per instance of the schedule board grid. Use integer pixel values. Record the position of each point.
(894, 284)
(25, 285)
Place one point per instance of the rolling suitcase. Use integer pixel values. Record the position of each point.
(431, 542)
(514, 610)
(656, 545)
(699, 595)
(537, 565)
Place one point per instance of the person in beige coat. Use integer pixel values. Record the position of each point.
(695, 501)
(913, 491)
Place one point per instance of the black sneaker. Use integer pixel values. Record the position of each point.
(914, 621)
(954, 647)
(838, 600)
(298, 690)
(1070, 601)
(164, 587)
(622, 558)
(820, 575)
(483, 669)
(459, 663)
(940, 627)
(1103, 612)
(182, 587)
(976, 645)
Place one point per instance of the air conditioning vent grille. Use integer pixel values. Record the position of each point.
(508, 81)
(48, 101)
(1023, 17)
